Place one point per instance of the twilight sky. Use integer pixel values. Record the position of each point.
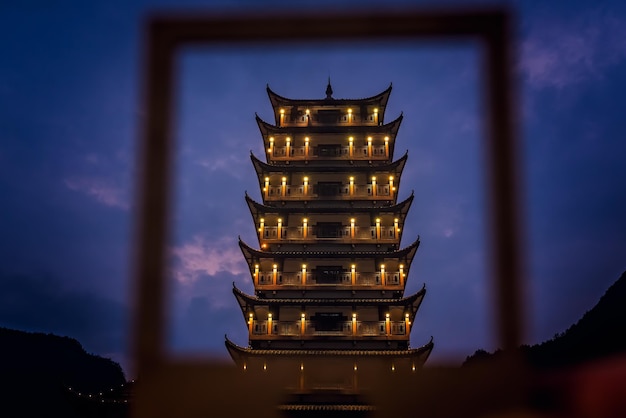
(70, 112)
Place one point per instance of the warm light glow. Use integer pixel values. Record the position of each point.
(349, 110)
(386, 139)
(352, 221)
(271, 139)
(351, 178)
(301, 366)
(354, 316)
(377, 220)
(282, 111)
(250, 315)
(244, 366)
(267, 179)
(376, 110)
(264, 366)
(269, 315)
(369, 139)
(306, 179)
(288, 139)
(302, 315)
(307, 111)
(390, 178)
(350, 139)
(413, 367)
(393, 368)
(373, 178)
(355, 368)
(386, 315)
(306, 139)
(406, 315)
(284, 178)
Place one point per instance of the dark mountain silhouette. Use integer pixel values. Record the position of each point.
(37, 369)
(599, 333)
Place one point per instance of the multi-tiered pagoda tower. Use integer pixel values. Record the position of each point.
(329, 276)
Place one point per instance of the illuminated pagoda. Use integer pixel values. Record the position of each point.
(330, 274)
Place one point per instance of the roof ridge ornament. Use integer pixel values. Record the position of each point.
(329, 90)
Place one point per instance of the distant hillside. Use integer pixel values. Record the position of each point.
(599, 333)
(36, 368)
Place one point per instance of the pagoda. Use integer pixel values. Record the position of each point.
(329, 274)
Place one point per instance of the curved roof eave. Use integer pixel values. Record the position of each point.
(261, 167)
(401, 207)
(238, 351)
(267, 128)
(277, 100)
(250, 253)
(414, 300)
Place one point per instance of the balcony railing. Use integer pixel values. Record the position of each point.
(342, 279)
(310, 329)
(343, 234)
(343, 192)
(377, 152)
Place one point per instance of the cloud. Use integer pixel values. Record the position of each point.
(558, 54)
(101, 190)
(231, 164)
(207, 257)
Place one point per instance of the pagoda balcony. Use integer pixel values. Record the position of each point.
(340, 192)
(309, 329)
(347, 279)
(346, 234)
(333, 153)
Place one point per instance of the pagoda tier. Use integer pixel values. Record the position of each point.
(329, 111)
(329, 322)
(363, 225)
(358, 273)
(315, 143)
(290, 182)
(250, 357)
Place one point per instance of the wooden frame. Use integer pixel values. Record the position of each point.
(168, 387)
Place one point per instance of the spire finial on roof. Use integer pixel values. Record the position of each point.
(329, 90)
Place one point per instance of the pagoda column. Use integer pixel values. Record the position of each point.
(387, 147)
